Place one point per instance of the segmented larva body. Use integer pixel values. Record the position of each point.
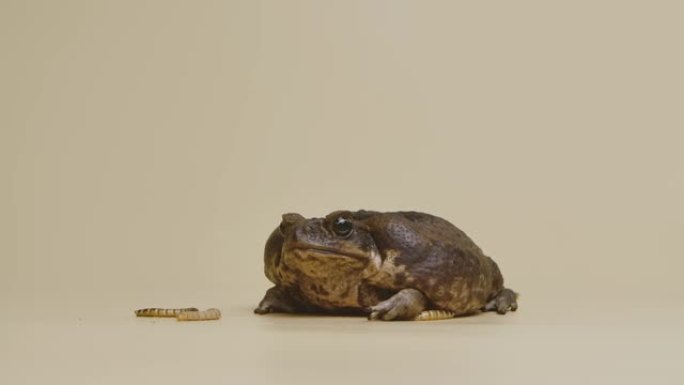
(205, 315)
(159, 312)
(434, 315)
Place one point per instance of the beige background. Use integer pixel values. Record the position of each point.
(147, 149)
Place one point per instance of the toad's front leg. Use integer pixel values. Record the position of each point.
(279, 300)
(405, 305)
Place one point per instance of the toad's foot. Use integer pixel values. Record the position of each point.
(503, 302)
(405, 305)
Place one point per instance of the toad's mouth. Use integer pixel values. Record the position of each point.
(308, 251)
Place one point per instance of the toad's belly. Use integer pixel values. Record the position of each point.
(326, 282)
(329, 294)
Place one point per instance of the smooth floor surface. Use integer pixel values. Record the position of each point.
(539, 344)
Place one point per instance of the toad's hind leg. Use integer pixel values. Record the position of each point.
(506, 300)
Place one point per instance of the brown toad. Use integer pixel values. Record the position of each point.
(390, 266)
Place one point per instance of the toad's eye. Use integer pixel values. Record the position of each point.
(342, 226)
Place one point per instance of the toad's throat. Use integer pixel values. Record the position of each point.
(308, 251)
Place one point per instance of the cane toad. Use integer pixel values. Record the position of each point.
(389, 266)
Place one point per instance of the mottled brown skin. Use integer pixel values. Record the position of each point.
(389, 266)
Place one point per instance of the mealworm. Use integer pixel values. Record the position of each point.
(206, 315)
(434, 315)
(159, 312)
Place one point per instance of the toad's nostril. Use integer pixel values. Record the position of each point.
(289, 219)
(292, 217)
